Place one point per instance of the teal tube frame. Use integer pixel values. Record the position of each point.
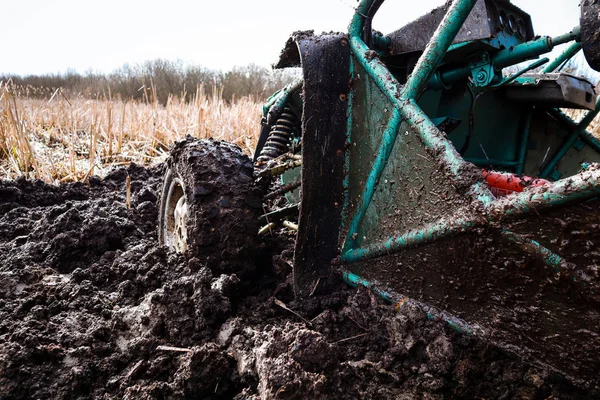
(581, 187)
(536, 249)
(280, 97)
(565, 56)
(524, 141)
(506, 58)
(585, 135)
(578, 131)
(438, 47)
(399, 301)
(406, 109)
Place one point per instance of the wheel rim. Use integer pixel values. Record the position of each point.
(176, 217)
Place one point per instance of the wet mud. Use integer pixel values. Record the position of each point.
(91, 306)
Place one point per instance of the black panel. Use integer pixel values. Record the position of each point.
(325, 63)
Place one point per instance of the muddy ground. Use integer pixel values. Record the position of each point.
(92, 307)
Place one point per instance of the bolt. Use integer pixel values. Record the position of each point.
(481, 76)
(343, 97)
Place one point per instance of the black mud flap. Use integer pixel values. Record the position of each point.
(325, 62)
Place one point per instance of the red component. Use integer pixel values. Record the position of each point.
(504, 183)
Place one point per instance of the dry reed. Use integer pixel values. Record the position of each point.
(62, 139)
(65, 139)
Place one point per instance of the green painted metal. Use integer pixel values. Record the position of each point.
(584, 134)
(565, 56)
(432, 137)
(570, 141)
(578, 188)
(401, 301)
(528, 68)
(402, 98)
(389, 138)
(505, 58)
(581, 187)
(381, 42)
(406, 108)
(377, 71)
(349, 122)
(526, 130)
(410, 183)
(447, 227)
(355, 280)
(525, 51)
(437, 47)
(492, 162)
(280, 98)
(551, 259)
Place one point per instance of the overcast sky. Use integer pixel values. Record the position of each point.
(49, 36)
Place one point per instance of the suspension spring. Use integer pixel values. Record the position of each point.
(280, 138)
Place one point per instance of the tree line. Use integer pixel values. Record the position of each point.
(157, 80)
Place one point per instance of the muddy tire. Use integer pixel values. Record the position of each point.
(209, 205)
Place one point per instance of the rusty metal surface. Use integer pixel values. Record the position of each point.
(590, 32)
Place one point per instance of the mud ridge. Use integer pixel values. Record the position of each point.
(92, 307)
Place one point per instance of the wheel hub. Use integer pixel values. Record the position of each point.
(176, 217)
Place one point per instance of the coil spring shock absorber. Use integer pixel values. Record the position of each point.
(280, 138)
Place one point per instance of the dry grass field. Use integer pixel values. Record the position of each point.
(45, 134)
(62, 138)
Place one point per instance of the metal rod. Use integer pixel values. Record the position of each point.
(590, 139)
(528, 68)
(401, 301)
(281, 168)
(575, 34)
(355, 280)
(532, 49)
(524, 141)
(283, 190)
(278, 215)
(358, 19)
(566, 55)
(589, 117)
(437, 47)
(484, 162)
(432, 137)
(267, 228)
(349, 123)
(568, 122)
(429, 233)
(577, 188)
(377, 70)
(383, 155)
(580, 187)
(506, 58)
(290, 225)
(522, 52)
(534, 248)
(278, 100)
(577, 132)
